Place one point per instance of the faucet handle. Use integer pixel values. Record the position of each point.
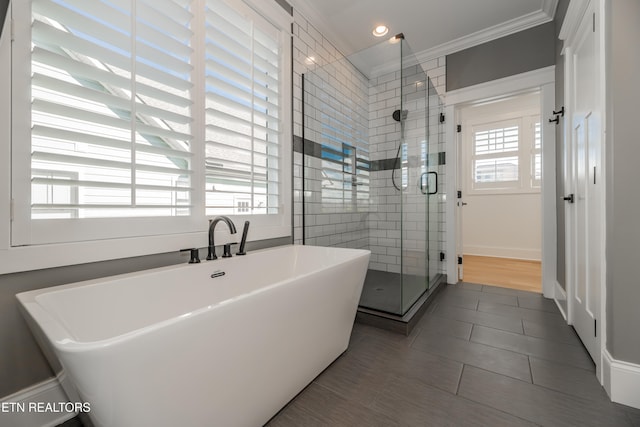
(226, 250)
(195, 255)
(245, 230)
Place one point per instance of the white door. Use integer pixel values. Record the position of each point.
(584, 210)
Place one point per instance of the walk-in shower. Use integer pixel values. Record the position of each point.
(371, 132)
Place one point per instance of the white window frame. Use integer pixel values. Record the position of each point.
(536, 183)
(525, 120)
(164, 235)
(474, 157)
(273, 226)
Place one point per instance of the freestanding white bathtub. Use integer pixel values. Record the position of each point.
(173, 346)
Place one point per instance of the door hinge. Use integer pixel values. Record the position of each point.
(459, 260)
(11, 209)
(594, 22)
(13, 30)
(594, 174)
(459, 128)
(441, 117)
(595, 327)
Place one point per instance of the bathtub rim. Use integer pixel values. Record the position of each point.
(62, 340)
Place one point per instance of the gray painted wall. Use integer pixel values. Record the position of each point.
(22, 364)
(514, 54)
(622, 150)
(561, 11)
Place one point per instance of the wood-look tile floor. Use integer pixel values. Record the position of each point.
(481, 356)
(504, 272)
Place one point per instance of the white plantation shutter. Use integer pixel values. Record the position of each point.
(496, 140)
(504, 156)
(136, 118)
(243, 111)
(495, 158)
(111, 108)
(537, 155)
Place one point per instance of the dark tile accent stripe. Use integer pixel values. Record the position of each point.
(297, 144)
(313, 149)
(382, 165)
(442, 158)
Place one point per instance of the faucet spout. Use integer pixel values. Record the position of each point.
(212, 226)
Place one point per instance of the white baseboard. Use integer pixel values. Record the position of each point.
(15, 409)
(561, 295)
(621, 380)
(513, 253)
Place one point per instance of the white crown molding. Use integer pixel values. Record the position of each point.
(542, 16)
(549, 7)
(479, 37)
(575, 12)
(492, 33)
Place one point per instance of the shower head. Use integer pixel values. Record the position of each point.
(399, 115)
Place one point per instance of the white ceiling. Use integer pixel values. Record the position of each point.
(432, 28)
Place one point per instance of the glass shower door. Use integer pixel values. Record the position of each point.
(366, 168)
(415, 179)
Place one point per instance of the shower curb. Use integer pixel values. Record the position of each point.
(402, 324)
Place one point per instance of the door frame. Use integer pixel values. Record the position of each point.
(543, 80)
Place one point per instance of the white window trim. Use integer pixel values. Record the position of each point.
(272, 226)
(525, 184)
(24, 258)
(5, 135)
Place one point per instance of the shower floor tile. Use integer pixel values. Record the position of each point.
(384, 291)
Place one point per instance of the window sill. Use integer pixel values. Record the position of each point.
(36, 257)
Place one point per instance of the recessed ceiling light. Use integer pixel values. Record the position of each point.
(380, 30)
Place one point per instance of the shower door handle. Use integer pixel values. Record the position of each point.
(424, 183)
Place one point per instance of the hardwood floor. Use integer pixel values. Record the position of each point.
(503, 272)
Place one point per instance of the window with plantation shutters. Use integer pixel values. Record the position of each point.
(143, 117)
(111, 108)
(243, 103)
(495, 152)
(505, 155)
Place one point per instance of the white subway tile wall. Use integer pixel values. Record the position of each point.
(350, 117)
